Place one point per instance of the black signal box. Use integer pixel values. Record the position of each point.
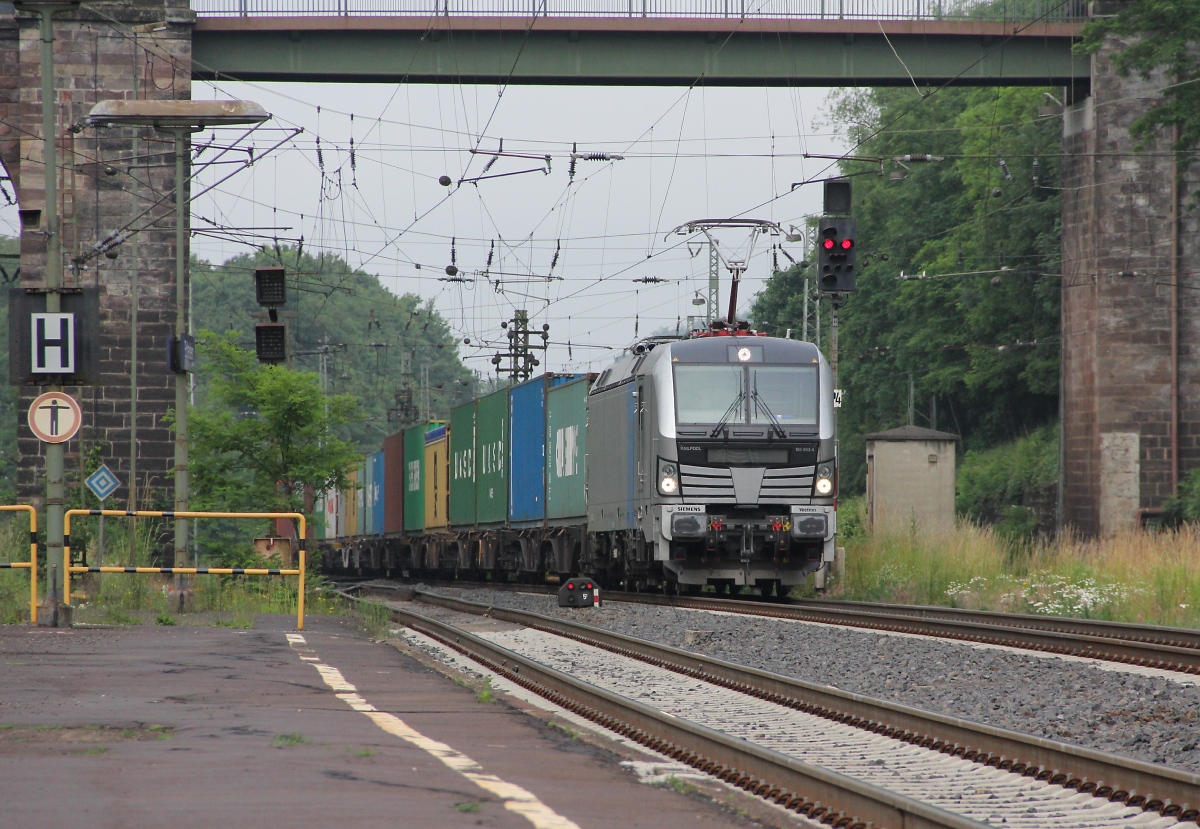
(270, 342)
(270, 286)
(579, 592)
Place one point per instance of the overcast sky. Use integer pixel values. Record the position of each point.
(688, 154)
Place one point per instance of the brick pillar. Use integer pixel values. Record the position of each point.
(136, 48)
(1118, 295)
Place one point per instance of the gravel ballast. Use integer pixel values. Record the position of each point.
(1146, 717)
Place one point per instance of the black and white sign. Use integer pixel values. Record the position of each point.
(59, 347)
(53, 343)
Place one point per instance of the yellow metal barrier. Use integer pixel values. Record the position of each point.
(30, 565)
(185, 571)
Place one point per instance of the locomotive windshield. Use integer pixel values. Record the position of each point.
(756, 393)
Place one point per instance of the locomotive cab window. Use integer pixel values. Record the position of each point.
(748, 393)
(704, 394)
(787, 392)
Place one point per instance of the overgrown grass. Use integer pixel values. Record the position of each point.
(1137, 576)
(375, 618)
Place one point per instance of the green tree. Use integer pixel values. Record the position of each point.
(268, 435)
(980, 333)
(1162, 38)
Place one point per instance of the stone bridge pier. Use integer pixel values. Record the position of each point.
(119, 50)
(1130, 306)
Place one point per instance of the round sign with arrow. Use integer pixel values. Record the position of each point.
(55, 417)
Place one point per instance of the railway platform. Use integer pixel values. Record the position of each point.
(147, 726)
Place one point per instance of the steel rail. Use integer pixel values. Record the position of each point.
(1171, 792)
(1099, 640)
(1167, 648)
(810, 790)
(1155, 634)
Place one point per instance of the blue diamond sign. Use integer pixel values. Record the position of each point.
(103, 482)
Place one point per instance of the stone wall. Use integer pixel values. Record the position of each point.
(1119, 292)
(106, 51)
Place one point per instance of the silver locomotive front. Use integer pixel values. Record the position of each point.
(743, 450)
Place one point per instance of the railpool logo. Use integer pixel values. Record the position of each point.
(566, 451)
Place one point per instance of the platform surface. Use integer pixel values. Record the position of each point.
(147, 726)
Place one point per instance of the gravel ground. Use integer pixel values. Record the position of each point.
(1149, 718)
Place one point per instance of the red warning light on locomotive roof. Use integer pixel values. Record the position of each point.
(828, 244)
(847, 244)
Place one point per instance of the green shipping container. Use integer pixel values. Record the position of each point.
(462, 466)
(491, 459)
(414, 475)
(566, 450)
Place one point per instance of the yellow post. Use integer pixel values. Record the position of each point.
(300, 592)
(67, 553)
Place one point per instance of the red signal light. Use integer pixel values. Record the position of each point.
(828, 244)
(847, 244)
(589, 585)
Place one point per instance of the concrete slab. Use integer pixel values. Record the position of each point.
(207, 727)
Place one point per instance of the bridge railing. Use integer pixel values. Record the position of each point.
(996, 10)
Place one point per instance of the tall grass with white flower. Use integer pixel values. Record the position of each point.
(1145, 576)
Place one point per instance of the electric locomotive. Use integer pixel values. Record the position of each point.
(713, 461)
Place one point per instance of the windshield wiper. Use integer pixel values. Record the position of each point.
(737, 401)
(760, 402)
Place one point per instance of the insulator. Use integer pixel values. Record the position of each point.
(1004, 168)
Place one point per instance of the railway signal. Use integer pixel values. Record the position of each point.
(837, 255)
(270, 338)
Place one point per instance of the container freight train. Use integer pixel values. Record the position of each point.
(710, 460)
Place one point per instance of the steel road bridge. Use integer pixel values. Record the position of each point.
(644, 42)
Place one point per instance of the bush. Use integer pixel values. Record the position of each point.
(1184, 506)
(1013, 485)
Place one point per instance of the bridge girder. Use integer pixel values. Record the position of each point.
(638, 51)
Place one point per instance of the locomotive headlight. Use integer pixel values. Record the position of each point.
(824, 481)
(668, 478)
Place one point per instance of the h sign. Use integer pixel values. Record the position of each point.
(53, 346)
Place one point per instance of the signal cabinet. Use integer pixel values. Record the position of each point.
(415, 475)
(566, 450)
(527, 425)
(393, 483)
(437, 478)
(491, 459)
(462, 466)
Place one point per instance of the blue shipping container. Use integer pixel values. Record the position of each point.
(527, 459)
(376, 494)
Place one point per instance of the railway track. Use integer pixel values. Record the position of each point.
(843, 758)
(1172, 649)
